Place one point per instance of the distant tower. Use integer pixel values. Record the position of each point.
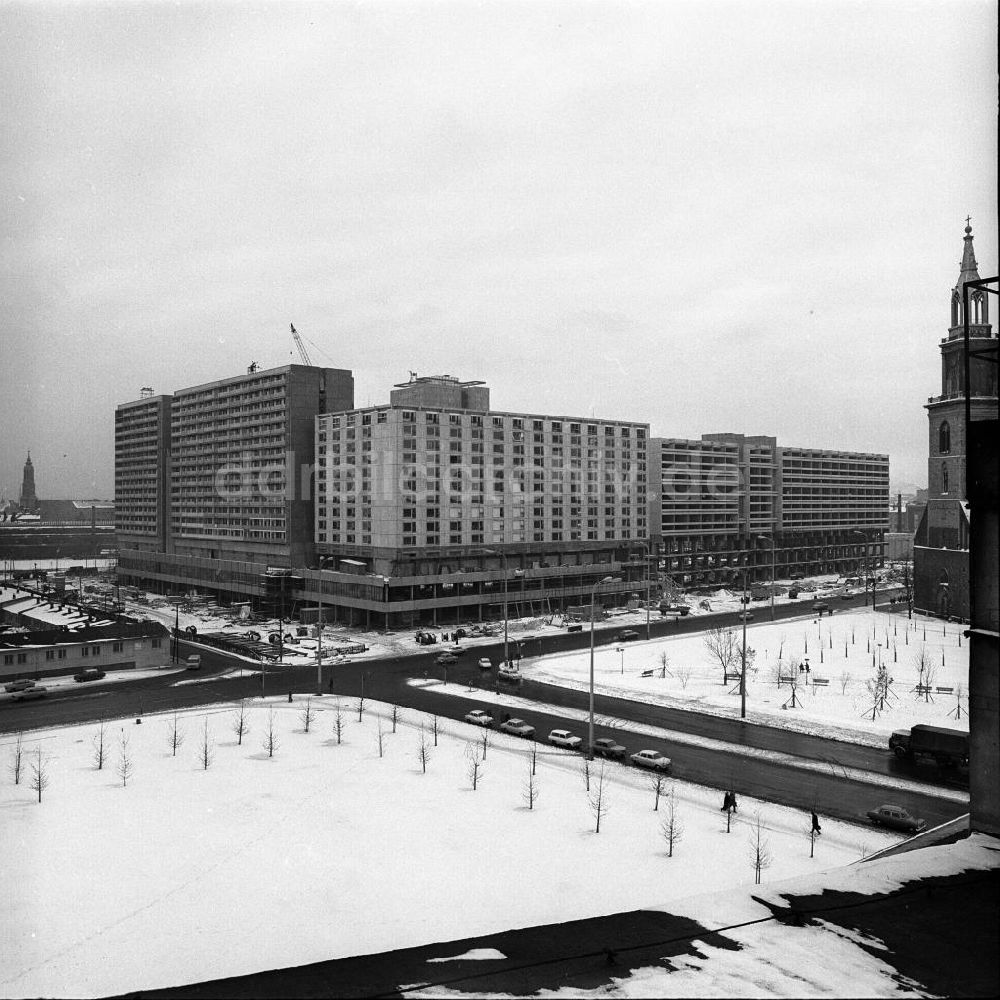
(28, 502)
(941, 542)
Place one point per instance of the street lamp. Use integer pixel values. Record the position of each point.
(621, 649)
(503, 559)
(743, 666)
(645, 545)
(768, 538)
(319, 638)
(590, 725)
(855, 531)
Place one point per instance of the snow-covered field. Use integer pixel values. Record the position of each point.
(844, 649)
(328, 850)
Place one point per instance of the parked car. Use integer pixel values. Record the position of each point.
(90, 674)
(896, 818)
(797, 576)
(574, 627)
(479, 718)
(564, 738)
(627, 635)
(193, 662)
(607, 748)
(846, 596)
(19, 685)
(517, 727)
(446, 658)
(746, 616)
(674, 609)
(485, 663)
(652, 759)
(29, 694)
(821, 606)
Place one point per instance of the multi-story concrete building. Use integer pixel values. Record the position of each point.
(717, 504)
(237, 467)
(142, 469)
(438, 490)
(941, 542)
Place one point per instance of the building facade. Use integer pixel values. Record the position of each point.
(28, 501)
(222, 472)
(717, 505)
(941, 542)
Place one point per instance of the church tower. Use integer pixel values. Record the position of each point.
(941, 543)
(28, 502)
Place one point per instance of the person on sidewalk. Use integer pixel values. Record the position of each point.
(815, 825)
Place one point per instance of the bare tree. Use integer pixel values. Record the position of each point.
(671, 827)
(664, 662)
(812, 833)
(17, 759)
(598, 799)
(306, 715)
(424, 750)
(533, 756)
(845, 679)
(484, 742)
(474, 765)
(380, 738)
(241, 722)
(126, 765)
(206, 749)
(759, 847)
(723, 645)
(39, 773)
(434, 728)
(175, 738)
(585, 767)
(338, 722)
(270, 743)
(394, 716)
(530, 790)
(683, 674)
(656, 781)
(361, 707)
(926, 670)
(99, 755)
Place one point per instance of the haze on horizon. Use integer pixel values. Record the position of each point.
(741, 216)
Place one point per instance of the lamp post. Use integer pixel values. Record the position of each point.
(645, 546)
(590, 724)
(855, 531)
(769, 538)
(621, 649)
(743, 667)
(503, 560)
(319, 638)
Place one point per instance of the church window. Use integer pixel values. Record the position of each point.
(944, 439)
(944, 477)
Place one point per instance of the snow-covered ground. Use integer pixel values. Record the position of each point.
(774, 959)
(328, 850)
(844, 649)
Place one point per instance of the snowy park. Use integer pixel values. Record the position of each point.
(365, 834)
(853, 675)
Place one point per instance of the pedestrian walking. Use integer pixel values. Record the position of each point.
(815, 825)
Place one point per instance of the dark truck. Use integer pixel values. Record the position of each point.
(947, 747)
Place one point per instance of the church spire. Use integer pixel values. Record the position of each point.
(978, 305)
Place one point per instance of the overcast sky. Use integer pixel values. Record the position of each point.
(732, 216)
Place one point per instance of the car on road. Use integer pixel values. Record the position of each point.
(564, 738)
(674, 609)
(652, 759)
(627, 635)
(896, 818)
(608, 749)
(485, 663)
(746, 616)
(446, 658)
(29, 694)
(19, 685)
(797, 576)
(517, 727)
(479, 718)
(821, 606)
(846, 596)
(89, 674)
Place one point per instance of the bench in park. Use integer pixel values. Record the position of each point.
(945, 690)
(647, 673)
(785, 679)
(820, 682)
(923, 689)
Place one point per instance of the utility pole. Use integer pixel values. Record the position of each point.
(319, 639)
(743, 670)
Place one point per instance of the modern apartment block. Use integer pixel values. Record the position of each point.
(142, 463)
(717, 505)
(226, 477)
(444, 497)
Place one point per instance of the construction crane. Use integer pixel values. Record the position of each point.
(302, 347)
